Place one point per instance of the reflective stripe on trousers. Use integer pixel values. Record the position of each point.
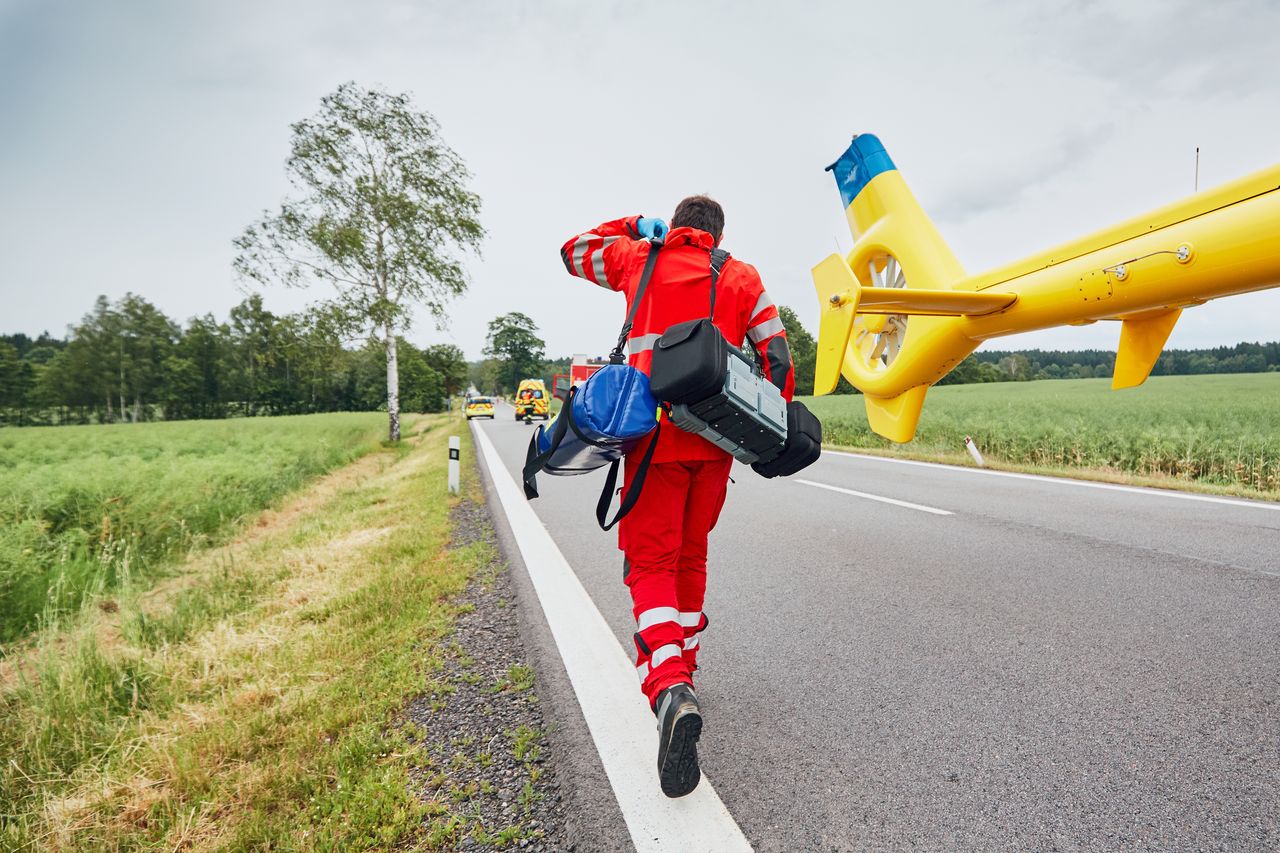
(658, 658)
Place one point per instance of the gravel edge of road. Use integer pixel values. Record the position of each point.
(593, 819)
(486, 750)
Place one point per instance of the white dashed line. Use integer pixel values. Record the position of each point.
(879, 498)
(1062, 481)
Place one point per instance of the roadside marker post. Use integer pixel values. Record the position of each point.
(973, 451)
(455, 453)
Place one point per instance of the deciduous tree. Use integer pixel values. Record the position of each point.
(804, 351)
(382, 213)
(448, 361)
(513, 340)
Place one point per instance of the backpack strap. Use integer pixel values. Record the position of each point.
(535, 461)
(617, 356)
(719, 257)
(633, 492)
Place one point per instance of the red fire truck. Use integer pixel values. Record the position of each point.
(579, 370)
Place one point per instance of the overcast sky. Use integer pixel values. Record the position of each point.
(137, 139)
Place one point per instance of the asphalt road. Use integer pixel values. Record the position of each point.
(1048, 666)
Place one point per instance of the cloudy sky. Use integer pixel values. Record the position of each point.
(137, 139)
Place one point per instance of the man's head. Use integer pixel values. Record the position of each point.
(701, 212)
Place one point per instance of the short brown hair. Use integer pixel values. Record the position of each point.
(701, 212)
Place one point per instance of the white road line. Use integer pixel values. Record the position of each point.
(604, 681)
(1063, 481)
(879, 498)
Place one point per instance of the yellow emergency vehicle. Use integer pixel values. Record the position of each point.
(479, 407)
(532, 400)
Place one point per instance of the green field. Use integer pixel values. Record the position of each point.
(1219, 430)
(255, 699)
(87, 509)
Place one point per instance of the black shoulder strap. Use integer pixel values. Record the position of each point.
(719, 257)
(535, 461)
(617, 356)
(633, 492)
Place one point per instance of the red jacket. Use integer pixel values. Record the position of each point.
(612, 255)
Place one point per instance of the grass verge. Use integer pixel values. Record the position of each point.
(251, 703)
(86, 510)
(1095, 475)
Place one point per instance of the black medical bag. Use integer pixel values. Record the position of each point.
(716, 391)
(804, 444)
(719, 392)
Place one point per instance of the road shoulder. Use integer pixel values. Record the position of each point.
(591, 811)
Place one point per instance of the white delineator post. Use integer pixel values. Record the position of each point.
(973, 451)
(455, 453)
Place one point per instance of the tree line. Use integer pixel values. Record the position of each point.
(1005, 365)
(514, 351)
(126, 361)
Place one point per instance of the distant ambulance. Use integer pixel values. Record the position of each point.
(532, 400)
(579, 370)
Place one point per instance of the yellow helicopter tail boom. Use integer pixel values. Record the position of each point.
(898, 313)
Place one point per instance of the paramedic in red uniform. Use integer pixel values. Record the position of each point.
(664, 537)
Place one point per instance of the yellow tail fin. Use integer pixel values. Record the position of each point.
(895, 417)
(1142, 339)
(838, 298)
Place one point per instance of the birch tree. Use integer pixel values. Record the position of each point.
(382, 214)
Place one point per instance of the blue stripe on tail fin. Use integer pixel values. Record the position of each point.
(862, 160)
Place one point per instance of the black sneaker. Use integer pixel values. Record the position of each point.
(679, 726)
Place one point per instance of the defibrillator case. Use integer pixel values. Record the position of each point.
(717, 391)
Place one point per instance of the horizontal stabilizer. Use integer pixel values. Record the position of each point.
(895, 417)
(1142, 339)
(935, 303)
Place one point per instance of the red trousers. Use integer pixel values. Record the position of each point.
(664, 538)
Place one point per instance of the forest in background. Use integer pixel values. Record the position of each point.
(983, 366)
(1023, 365)
(126, 361)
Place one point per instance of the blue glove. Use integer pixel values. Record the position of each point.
(651, 228)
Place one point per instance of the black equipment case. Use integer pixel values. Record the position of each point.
(719, 392)
(716, 391)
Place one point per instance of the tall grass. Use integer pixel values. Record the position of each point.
(1219, 430)
(258, 706)
(84, 509)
